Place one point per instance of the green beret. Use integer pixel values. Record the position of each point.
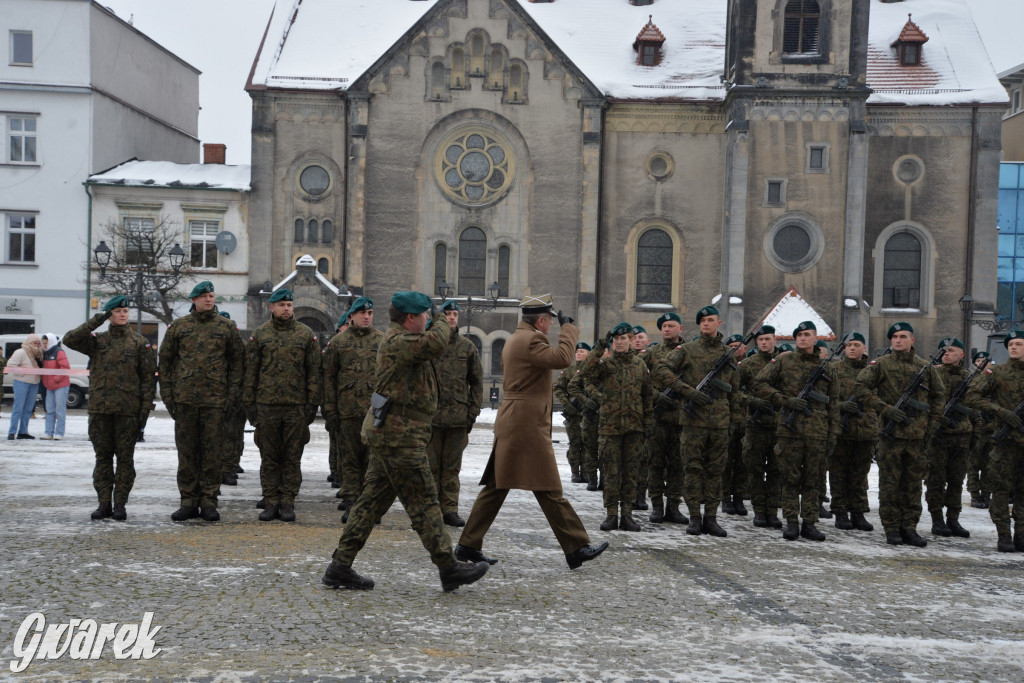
(342, 320)
(224, 314)
(1016, 334)
(204, 287)
(785, 347)
(980, 354)
(620, 329)
(856, 336)
(283, 294)
(361, 304)
(804, 327)
(821, 344)
(705, 312)
(119, 301)
(450, 305)
(734, 338)
(899, 327)
(410, 302)
(671, 315)
(763, 330)
(583, 345)
(637, 329)
(951, 341)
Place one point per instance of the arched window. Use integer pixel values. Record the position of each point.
(654, 268)
(437, 80)
(440, 266)
(323, 266)
(327, 232)
(497, 74)
(496, 350)
(458, 77)
(901, 277)
(299, 230)
(504, 254)
(515, 83)
(312, 230)
(801, 23)
(476, 55)
(476, 342)
(472, 262)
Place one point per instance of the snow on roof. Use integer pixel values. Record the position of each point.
(328, 44)
(793, 310)
(170, 174)
(308, 261)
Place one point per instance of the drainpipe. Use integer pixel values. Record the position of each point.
(88, 255)
(969, 252)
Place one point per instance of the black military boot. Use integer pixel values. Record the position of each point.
(911, 537)
(641, 502)
(592, 481)
(340, 576)
(345, 504)
(119, 513)
(287, 512)
(227, 479)
(657, 510)
(823, 513)
(185, 512)
(894, 537)
(843, 521)
(103, 511)
(860, 523)
(773, 520)
(953, 522)
(711, 527)
(269, 513)
(939, 527)
(738, 506)
(239, 470)
(461, 574)
(759, 519)
(696, 525)
(453, 519)
(1005, 543)
(209, 514)
(728, 508)
(811, 532)
(626, 521)
(577, 478)
(1018, 541)
(674, 516)
(261, 504)
(792, 531)
(611, 522)
(986, 500)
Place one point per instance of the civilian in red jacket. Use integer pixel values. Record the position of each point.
(57, 387)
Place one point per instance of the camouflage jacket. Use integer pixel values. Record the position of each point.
(865, 427)
(784, 377)
(349, 365)
(952, 375)
(561, 385)
(625, 381)
(1001, 386)
(201, 361)
(749, 369)
(461, 383)
(122, 367)
(884, 380)
(282, 365)
(684, 368)
(654, 356)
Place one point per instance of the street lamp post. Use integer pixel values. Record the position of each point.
(102, 253)
(477, 306)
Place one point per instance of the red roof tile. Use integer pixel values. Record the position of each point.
(650, 32)
(885, 72)
(911, 33)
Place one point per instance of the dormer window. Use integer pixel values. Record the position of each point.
(648, 44)
(910, 43)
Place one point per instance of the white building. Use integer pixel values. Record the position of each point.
(80, 91)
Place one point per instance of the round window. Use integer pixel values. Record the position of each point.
(908, 169)
(794, 243)
(474, 167)
(314, 180)
(660, 165)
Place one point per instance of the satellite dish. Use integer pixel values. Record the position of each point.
(225, 242)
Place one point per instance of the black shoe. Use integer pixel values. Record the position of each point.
(453, 519)
(792, 531)
(286, 513)
(696, 525)
(860, 523)
(641, 503)
(657, 515)
(592, 484)
(335, 484)
(823, 513)
(811, 532)
(911, 537)
(11, 437)
(986, 501)
(261, 504)
(674, 516)
(843, 521)
(228, 479)
(826, 499)
(610, 523)
(728, 507)
(585, 554)
(939, 527)
(239, 470)
(1018, 542)
(773, 520)
(577, 478)
(340, 576)
(209, 514)
(466, 554)
(185, 512)
(712, 528)
(331, 478)
(25, 436)
(462, 574)
(627, 523)
(102, 512)
(1005, 544)
(894, 537)
(119, 513)
(345, 504)
(759, 520)
(737, 503)
(953, 522)
(976, 501)
(269, 514)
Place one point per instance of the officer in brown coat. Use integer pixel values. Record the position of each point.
(522, 456)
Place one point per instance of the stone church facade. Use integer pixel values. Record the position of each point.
(630, 157)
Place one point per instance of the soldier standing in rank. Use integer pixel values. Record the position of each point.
(997, 393)
(665, 472)
(901, 458)
(856, 438)
(981, 446)
(460, 392)
(281, 394)
(704, 419)
(813, 433)
(764, 479)
(333, 454)
(588, 427)
(201, 366)
(640, 344)
(122, 383)
(947, 453)
(734, 474)
(397, 428)
(234, 434)
(573, 417)
(349, 366)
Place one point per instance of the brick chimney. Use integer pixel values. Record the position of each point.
(214, 153)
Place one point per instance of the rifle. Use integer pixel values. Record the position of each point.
(954, 411)
(844, 420)
(807, 393)
(907, 401)
(1004, 431)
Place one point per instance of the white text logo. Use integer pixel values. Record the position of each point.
(82, 639)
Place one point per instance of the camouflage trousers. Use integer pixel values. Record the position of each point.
(763, 475)
(405, 473)
(947, 465)
(199, 436)
(113, 436)
(704, 451)
(355, 457)
(734, 474)
(574, 429)
(641, 466)
(444, 453)
(848, 468)
(665, 472)
(281, 434)
(901, 464)
(978, 459)
(333, 457)
(619, 455)
(800, 469)
(234, 439)
(1004, 478)
(591, 453)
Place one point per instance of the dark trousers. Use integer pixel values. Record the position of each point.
(901, 465)
(849, 468)
(562, 519)
(281, 434)
(113, 437)
(199, 436)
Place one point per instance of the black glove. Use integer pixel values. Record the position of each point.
(898, 416)
(760, 404)
(1011, 419)
(143, 419)
(170, 408)
(649, 431)
(102, 317)
(570, 410)
(797, 404)
(946, 422)
(433, 308)
(601, 344)
(333, 422)
(850, 407)
(591, 405)
(699, 397)
(563, 318)
(470, 421)
(251, 413)
(311, 413)
(664, 401)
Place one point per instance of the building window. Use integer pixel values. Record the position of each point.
(476, 55)
(323, 266)
(458, 75)
(139, 233)
(1016, 101)
(497, 74)
(794, 243)
(1010, 223)
(440, 266)
(901, 278)
(312, 231)
(497, 348)
(472, 262)
(817, 159)
(437, 81)
(21, 136)
(314, 180)
(202, 235)
(300, 231)
(654, 268)
(800, 27)
(774, 192)
(504, 255)
(516, 84)
(910, 54)
(327, 232)
(659, 166)
(474, 167)
(21, 238)
(21, 48)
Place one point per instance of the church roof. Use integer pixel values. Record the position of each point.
(792, 310)
(328, 44)
(911, 33)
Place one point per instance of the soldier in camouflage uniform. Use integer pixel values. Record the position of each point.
(901, 459)
(981, 446)
(460, 392)
(281, 394)
(665, 472)
(640, 345)
(588, 427)
(573, 416)
(625, 418)
(855, 442)
(734, 474)
(348, 382)
(764, 480)
(813, 433)
(234, 433)
(201, 366)
(398, 442)
(122, 383)
(333, 452)
(997, 393)
(704, 419)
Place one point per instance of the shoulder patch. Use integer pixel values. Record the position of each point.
(987, 371)
(149, 346)
(250, 338)
(873, 362)
(772, 360)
